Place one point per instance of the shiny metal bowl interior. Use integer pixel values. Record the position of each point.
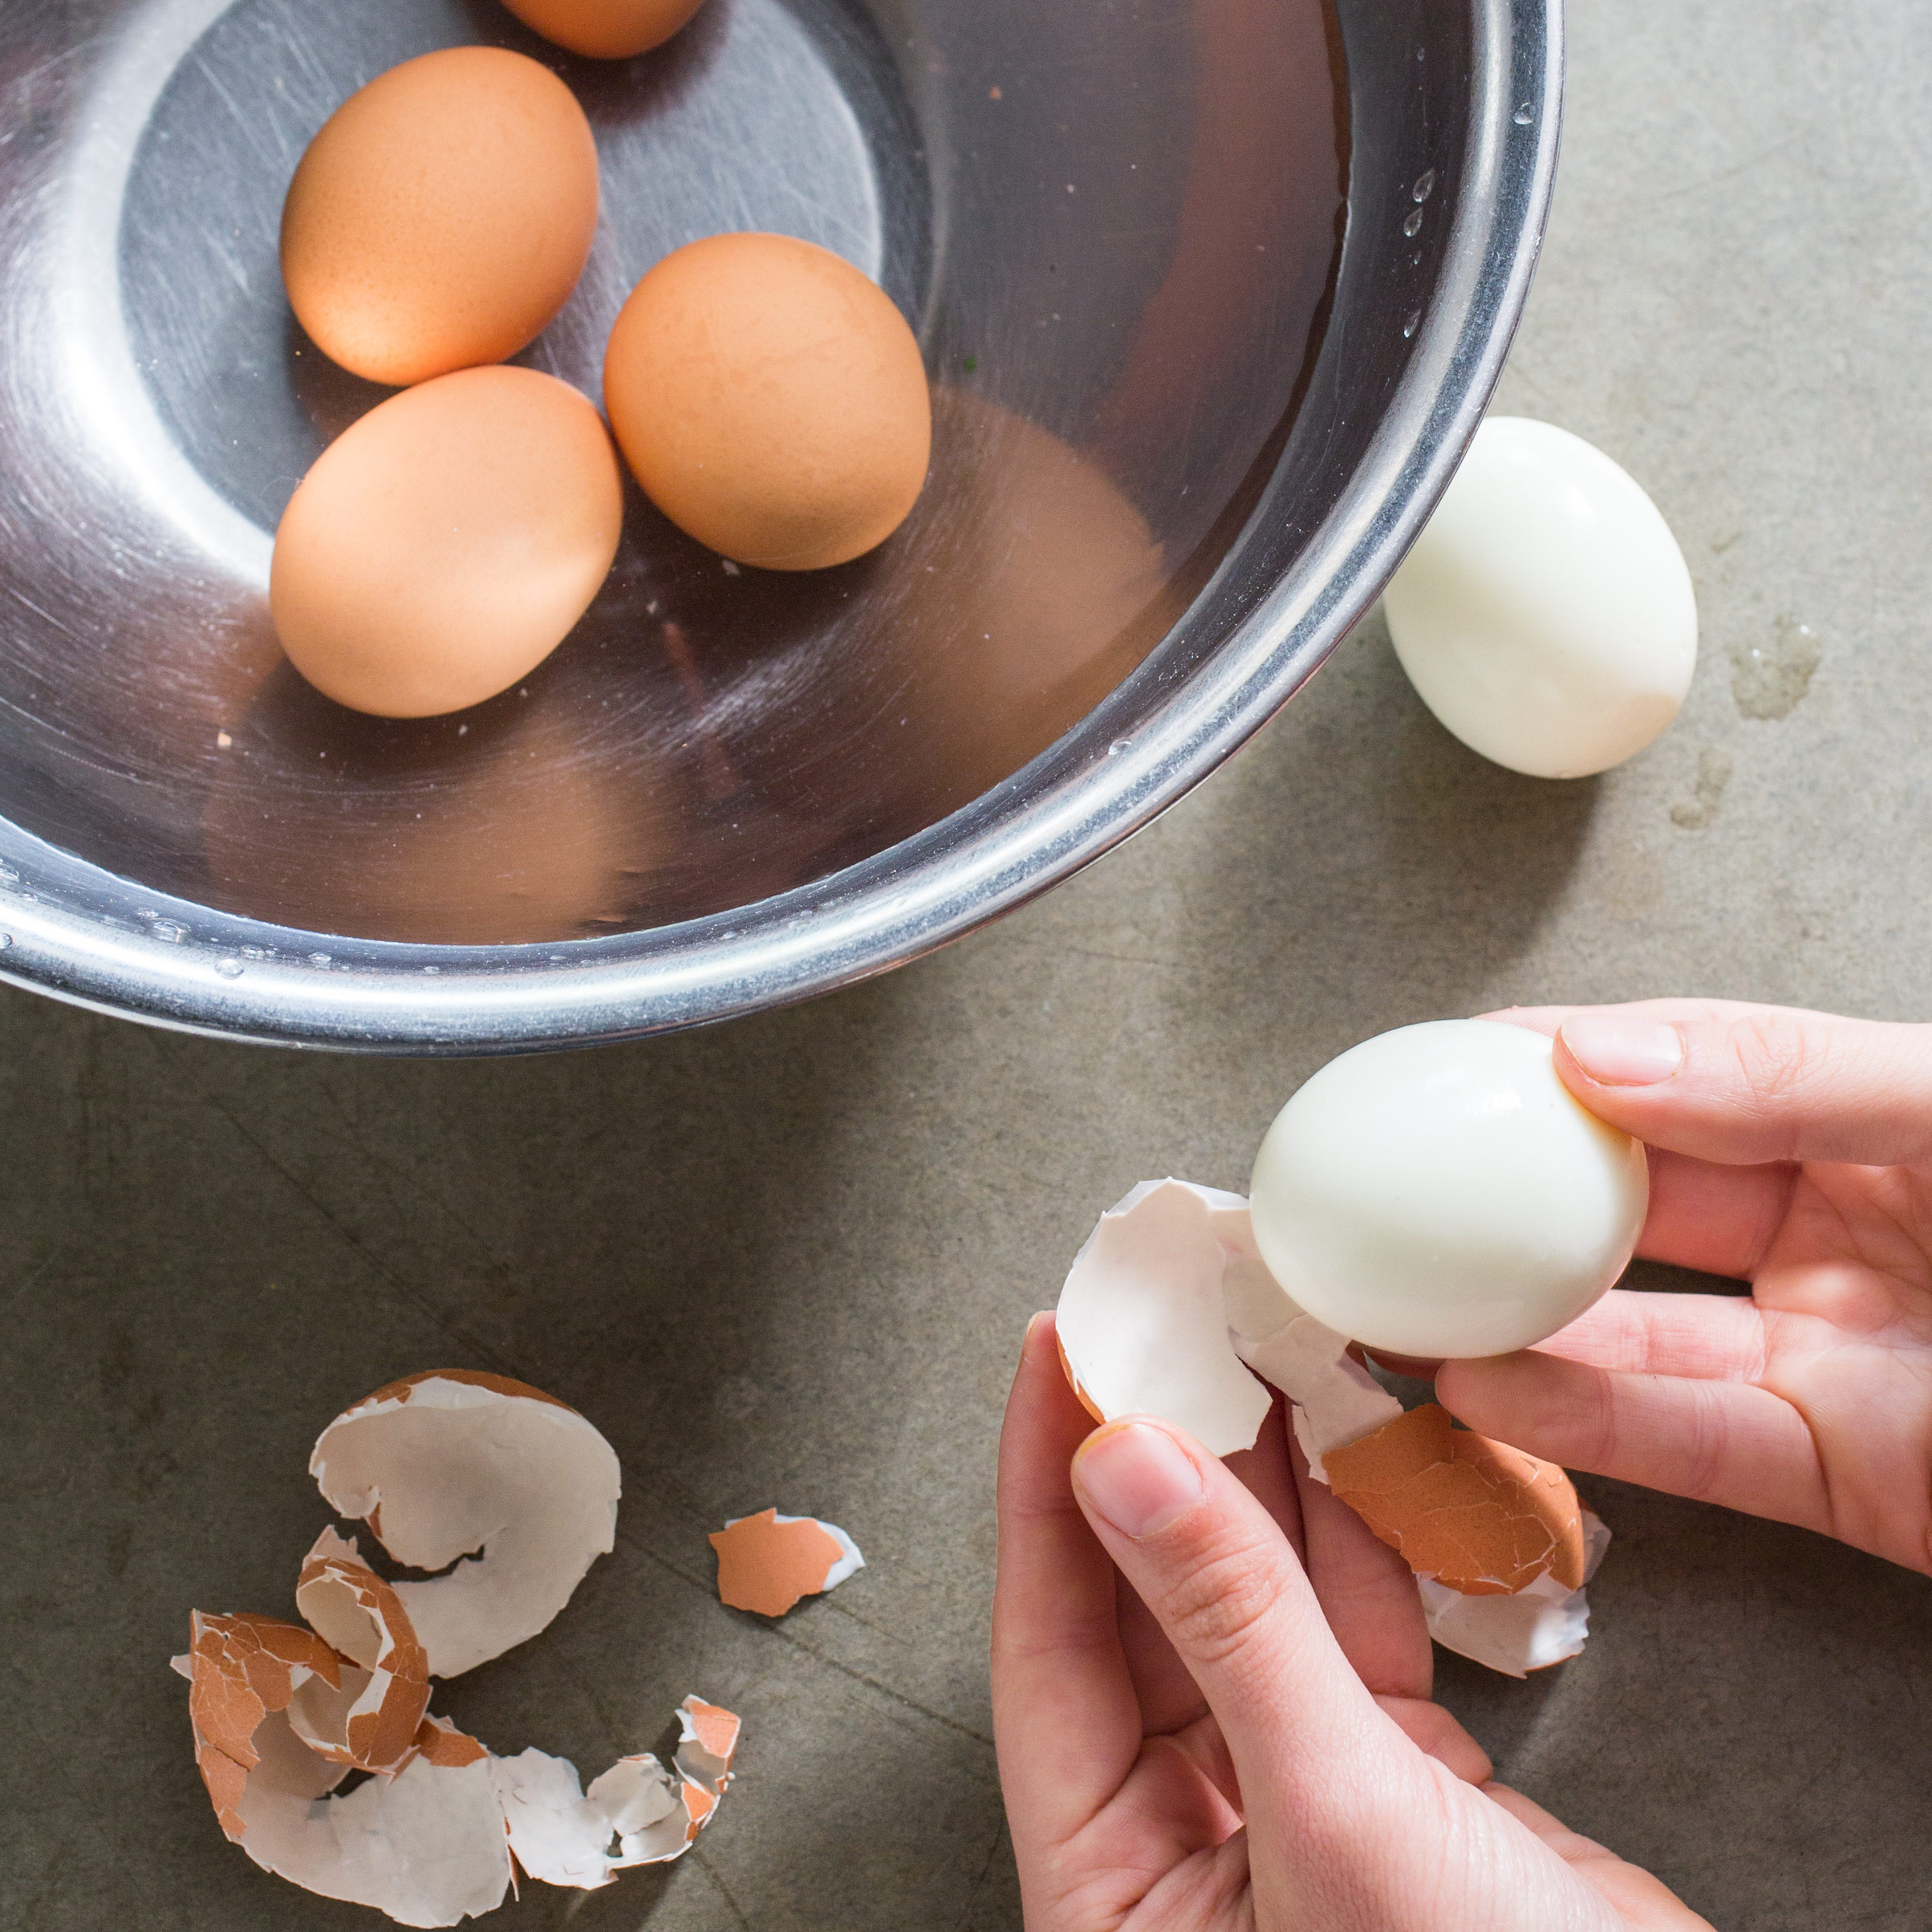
(1212, 292)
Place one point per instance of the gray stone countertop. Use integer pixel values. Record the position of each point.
(788, 1261)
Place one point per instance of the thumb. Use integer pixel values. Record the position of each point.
(1746, 1085)
(1315, 1755)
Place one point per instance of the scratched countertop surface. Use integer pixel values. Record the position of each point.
(788, 1261)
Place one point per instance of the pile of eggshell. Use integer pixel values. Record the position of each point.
(769, 397)
(1434, 1192)
(440, 1466)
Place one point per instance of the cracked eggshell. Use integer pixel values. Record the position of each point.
(1437, 1192)
(1539, 1626)
(513, 1486)
(370, 1721)
(1478, 1516)
(767, 1562)
(605, 30)
(1142, 1316)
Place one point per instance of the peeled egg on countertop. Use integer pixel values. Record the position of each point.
(605, 30)
(1437, 1192)
(442, 216)
(442, 546)
(1546, 615)
(771, 400)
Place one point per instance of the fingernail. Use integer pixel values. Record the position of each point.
(1618, 1049)
(1138, 1477)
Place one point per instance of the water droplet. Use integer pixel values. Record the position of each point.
(171, 932)
(9, 879)
(256, 952)
(432, 969)
(1523, 115)
(7, 939)
(1414, 323)
(1414, 224)
(318, 959)
(1425, 185)
(1118, 746)
(229, 969)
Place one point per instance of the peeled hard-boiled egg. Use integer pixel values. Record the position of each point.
(442, 216)
(1546, 615)
(444, 544)
(605, 30)
(1437, 1192)
(771, 400)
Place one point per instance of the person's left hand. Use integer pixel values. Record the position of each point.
(1232, 1729)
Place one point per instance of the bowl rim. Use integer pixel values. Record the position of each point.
(142, 954)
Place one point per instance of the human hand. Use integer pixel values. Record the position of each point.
(1791, 1149)
(1241, 1737)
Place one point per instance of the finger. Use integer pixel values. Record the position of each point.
(1368, 1594)
(1720, 1220)
(1643, 1901)
(1435, 1733)
(1169, 1696)
(1716, 1337)
(1750, 1086)
(1716, 1442)
(1215, 1570)
(1064, 1717)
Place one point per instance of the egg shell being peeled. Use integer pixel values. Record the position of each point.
(1437, 1192)
(771, 401)
(1546, 615)
(442, 216)
(442, 546)
(605, 30)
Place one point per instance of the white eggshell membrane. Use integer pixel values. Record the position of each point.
(1538, 1626)
(1142, 1318)
(1437, 1192)
(1546, 615)
(451, 1466)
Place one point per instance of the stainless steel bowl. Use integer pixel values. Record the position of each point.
(1213, 293)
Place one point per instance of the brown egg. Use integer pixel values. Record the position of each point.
(442, 216)
(442, 546)
(771, 400)
(605, 30)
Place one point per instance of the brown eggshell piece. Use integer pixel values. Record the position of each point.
(766, 1566)
(605, 30)
(442, 546)
(771, 400)
(442, 216)
(1479, 1516)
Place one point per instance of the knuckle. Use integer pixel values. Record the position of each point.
(1774, 1057)
(1222, 1603)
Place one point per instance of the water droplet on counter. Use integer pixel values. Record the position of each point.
(1413, 323)
(1425, 185)
(1413, 225)
(1769, 681)
(229, 969)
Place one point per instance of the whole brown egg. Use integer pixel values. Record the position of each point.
(442, 216)
(771, 400)
(443, 545)
(605, 30)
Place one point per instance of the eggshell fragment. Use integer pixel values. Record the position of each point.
(767, 1562)
(442, 216)
(1437, 1192)
(446, 542)
(1477, 1516)
(455, 1464)
(771, 400)
(1540, 1624)
(1546, 616)
(605, 30)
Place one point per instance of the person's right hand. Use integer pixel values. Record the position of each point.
(1791, 1149)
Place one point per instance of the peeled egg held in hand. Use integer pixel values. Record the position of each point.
(442, 216)
(1437, 1192)
(605, 30)
(445, 544)
(771, 401)
(1546, 615)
